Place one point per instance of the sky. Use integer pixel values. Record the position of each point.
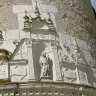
(94, 4)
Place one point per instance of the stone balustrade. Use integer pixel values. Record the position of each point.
(45, 88)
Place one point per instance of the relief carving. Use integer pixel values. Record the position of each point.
(20, 51)
(78, 56)
(1, 36)
(45, 66)
(67, 64)
(18, 74)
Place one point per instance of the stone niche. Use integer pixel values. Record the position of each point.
(18, 72)
(38, 48)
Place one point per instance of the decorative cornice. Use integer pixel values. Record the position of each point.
(18, 62)
(47, 85)
(47, 88)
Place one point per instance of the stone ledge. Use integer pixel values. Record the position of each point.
(51, 88)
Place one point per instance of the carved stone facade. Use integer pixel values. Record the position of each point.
(44, 50)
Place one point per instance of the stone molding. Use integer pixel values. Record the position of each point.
(47, 88)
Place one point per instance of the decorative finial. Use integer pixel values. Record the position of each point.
(50, 22)
(36, 11)
(26, 17)
(26, 22)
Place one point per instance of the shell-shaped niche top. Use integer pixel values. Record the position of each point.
(4, 54)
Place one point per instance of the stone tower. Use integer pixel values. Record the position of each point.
(47, 47)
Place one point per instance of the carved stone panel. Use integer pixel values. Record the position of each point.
(75, 57)
(83, 77)
(4, 74)
(38, 48)
(68, 75)
(20, 51)
(19, 73)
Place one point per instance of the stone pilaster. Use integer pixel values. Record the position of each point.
(30, 61)
(56, 66)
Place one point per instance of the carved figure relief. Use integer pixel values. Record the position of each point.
(45, 65)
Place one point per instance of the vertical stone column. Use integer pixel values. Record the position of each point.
(56, 66)
(30, 61)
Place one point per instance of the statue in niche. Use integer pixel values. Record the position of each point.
(45, 65)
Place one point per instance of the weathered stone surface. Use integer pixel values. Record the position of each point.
(66, 34)
(8, 20)
(76, 18)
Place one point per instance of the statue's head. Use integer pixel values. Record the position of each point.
(43, 54)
